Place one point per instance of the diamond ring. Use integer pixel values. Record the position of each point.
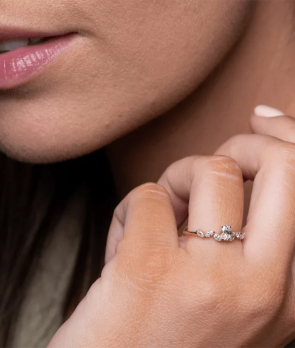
(226, 234)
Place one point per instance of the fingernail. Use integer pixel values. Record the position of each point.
(267, 111)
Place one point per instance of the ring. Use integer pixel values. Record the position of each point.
(226, 234)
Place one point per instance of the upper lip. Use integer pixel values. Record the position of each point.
(13, 33)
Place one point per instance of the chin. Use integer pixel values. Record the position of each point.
(43, 148)
(64, 125)
(40, 131)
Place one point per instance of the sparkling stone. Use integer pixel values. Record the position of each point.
(225, 236)
(242, 236)
(232, 237)
(217, 237)
(239, 235)
(226, 229)
(209, 234)
(200, 234)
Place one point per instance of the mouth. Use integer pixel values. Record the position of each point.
(11, 45)
(24, 55)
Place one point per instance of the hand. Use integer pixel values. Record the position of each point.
(158, 290)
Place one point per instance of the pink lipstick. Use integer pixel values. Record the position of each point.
(22, 64)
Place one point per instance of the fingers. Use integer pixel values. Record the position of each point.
(273, 122)
(270, 226)
(213, 186)
(143, 221)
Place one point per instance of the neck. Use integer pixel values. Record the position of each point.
(260, 69)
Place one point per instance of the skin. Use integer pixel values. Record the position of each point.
(158, 289)
(155, 271)
(115, 77)
(259, 70)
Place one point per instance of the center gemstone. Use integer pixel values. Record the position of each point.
(226, 229)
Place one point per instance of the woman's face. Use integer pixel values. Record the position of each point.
(129, 61)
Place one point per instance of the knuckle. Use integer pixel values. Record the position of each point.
(235, 139)
(149, 272)
(233, 144)
(214, 297)
(157, 264)
(150, 190)
(174, 167)
(117, 211)
(214, 290)
(223, 166)
(267, 297)
(211, 295)
(93, 293)
(282, 152)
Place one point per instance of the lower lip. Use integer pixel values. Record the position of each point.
(21, 65)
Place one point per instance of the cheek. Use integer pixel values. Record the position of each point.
(133, 61)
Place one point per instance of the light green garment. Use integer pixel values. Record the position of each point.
(40, 316)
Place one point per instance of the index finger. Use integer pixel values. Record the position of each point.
(143, 221)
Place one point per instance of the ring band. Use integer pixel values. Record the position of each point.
(226, 234)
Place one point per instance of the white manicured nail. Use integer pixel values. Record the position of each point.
(267, 111)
